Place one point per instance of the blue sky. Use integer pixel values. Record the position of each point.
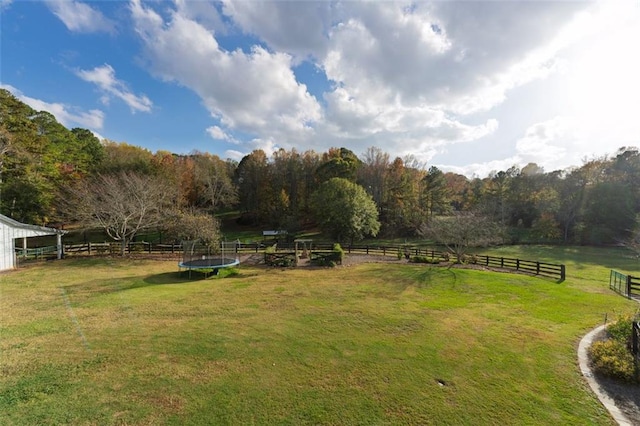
(470, 87)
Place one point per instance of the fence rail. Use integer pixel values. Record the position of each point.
(528, 266)
(38, 253)
(551, 270)
(626, 285)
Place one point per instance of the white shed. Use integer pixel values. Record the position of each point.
(11, 230)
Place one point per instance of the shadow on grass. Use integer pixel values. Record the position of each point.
(194, 275)
(176, 277)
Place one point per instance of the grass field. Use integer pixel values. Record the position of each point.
(100, 341)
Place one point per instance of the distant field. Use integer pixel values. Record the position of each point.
(99, 341)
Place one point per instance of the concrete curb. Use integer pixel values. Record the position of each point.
(583, 360)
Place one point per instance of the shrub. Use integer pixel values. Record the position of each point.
(283, 260)
(424, 259)
(338, 253)
(611, 358)
(621, 330)
(328, 258)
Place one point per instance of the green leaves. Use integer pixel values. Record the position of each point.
(345, 210)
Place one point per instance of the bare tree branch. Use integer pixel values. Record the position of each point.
(122, 204)
(462, 230)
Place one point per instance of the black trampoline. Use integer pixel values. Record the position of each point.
(198, 257)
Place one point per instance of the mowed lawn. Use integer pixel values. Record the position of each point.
(100, 341)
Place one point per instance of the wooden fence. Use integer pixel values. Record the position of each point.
(551, 270)
(174, 250)
(624, 284)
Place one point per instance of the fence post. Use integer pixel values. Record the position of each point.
(89, 248)
(517, 264)
(502, 262)
(629, 286)
(634, 338)
(149, 248)
(537, 268)
(562, 273)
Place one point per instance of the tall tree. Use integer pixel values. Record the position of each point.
(254, 189)
(434, 193)
(609, 214)
(122, 157)
(571, 194)
(458, 186)
(372, 174)
(216, 188)
(339, 162)
(344, 210)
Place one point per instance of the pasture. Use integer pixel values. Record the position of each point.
(118, 341)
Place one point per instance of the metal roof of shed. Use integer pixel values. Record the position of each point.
(28, 230)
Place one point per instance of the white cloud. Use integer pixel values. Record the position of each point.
(105, 78)
(598, 88)
(543, 142)
(204, 13)
(254, 92)
(80, 17)
(296, 27)
(4, 4)
(217, 133)
(410, 77)
(406, 74)
(68, 116)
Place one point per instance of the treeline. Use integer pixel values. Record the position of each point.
(595, 203)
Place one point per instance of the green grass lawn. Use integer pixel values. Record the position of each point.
(99, 341)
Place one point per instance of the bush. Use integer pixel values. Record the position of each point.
(328, 258)
(621, 330)
(338, 253)
(284, 260)
(611, 358)
(424, 259)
